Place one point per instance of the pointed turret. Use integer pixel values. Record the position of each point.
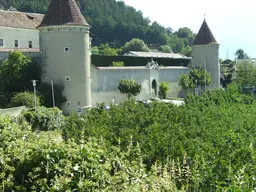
(204, 36)
(63, 12)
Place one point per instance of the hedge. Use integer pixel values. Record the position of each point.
(106, 61)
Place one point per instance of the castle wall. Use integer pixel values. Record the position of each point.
(105, 82)
(172, 75)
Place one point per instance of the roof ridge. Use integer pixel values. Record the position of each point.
(20, 12)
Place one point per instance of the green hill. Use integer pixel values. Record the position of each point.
(115, 23)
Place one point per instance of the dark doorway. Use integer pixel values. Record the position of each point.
(154, 87)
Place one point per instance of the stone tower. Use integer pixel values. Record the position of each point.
(65, 52)
(205, 52)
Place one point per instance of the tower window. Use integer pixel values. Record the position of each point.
(16, 43)
(67, 78)
(66, 49)
(1, 42)
(30, 44)
(68, 103)
(42, 50)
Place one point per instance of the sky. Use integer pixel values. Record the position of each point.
(232, 22)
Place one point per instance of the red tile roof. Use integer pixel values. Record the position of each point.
(63, 12)
(204, 36)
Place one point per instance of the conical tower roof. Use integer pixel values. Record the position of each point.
(63, 12)
(204, 36)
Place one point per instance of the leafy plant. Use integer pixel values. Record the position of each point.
(117, 63)
(24, 99)
(44, 119)
(129, 87)
(164, 88)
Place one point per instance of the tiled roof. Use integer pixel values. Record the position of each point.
(17, 19)
(156, 55)
(63, 12)
(204, 36)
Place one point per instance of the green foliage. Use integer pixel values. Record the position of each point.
(240, 54)
(32, 161)
(44, 119)
(187, 51)
(135, 45)
(107, 50)
(129, 87)
(16, 73)
(196, 75)
(246, 74)
(24, 99)
(164, 88)
(45, 91)
(117, 63)
(165, 49)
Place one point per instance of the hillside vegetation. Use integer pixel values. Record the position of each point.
(115, 23)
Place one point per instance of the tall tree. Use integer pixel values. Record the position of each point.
(240, 54)
(135, 45)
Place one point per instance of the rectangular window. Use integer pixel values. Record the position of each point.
(30, 44)
(16, 43)
(66, 49)
(1, 42)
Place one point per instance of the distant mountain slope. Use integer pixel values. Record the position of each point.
(115, 23)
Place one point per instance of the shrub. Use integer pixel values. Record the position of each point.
(117, 64)
(44, 119)
(164, 89)
(24, 99)
(129, 87)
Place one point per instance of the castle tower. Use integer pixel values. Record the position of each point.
(205, 52)
(65, 52)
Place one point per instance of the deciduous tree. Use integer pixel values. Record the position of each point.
(129, 87)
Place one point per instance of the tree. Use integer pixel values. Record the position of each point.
(135, 45)
(246, 74)
(107, 50)
(16, 72)
(164, 89)
(129, 87)
(187, 51)
(196, 75)
(165, 49)
(240, 54)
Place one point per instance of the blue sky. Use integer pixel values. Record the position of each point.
(231, 21)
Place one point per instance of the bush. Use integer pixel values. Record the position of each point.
(24, 99)
(164, 89)
(44, 119)
(117, 64)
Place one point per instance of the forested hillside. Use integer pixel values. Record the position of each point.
(115, 23)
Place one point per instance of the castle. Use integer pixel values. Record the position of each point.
(64, 51)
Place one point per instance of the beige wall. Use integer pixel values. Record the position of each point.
(22, 35)
(172, 75)
(105, 82)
